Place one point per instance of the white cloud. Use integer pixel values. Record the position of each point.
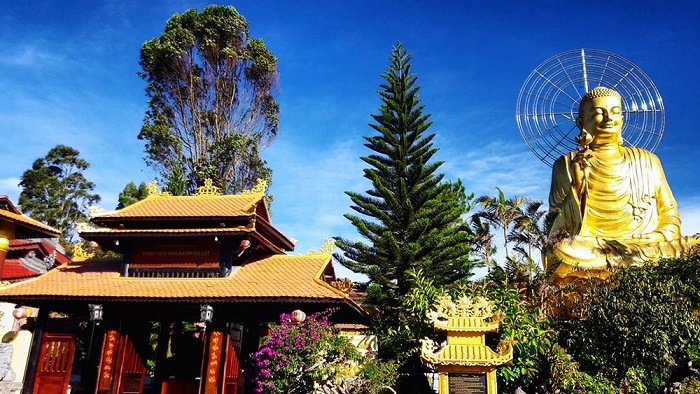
(690, 216)
(31, 56)
(508, 166)
(10, 187)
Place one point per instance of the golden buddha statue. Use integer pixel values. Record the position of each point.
(612, 204)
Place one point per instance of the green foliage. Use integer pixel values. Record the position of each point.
(375, 376)
(302, 357)
(177, 182)
(211, 106)
(642, 320)
(411, 218)
(132, 194)
(55, 191)
(528, 329)
(690, 385)
(516, 224)
(566, 378)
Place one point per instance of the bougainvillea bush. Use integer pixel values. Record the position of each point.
(305, 357)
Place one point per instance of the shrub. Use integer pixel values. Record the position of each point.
(310, 356)
(639, 324)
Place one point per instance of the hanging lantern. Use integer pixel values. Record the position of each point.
(95, 312)
(298, 316)
(206, 313)
(21, 313)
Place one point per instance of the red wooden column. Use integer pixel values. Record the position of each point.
(212, 369)
(108, 360)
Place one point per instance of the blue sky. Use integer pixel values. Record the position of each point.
(68, 76)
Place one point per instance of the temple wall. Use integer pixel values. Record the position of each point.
(14, 350)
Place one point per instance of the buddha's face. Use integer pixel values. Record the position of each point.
(602, 116)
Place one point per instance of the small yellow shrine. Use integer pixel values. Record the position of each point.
(465, 364)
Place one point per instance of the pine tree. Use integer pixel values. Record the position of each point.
(132, 194)
(411, 218)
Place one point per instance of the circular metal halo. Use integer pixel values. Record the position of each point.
(548, 102)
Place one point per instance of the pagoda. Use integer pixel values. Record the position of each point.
(208, 272)
(465, 364)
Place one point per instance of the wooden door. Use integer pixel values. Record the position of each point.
(131, 368)
(55, 363)
(231, 363)
(122, 368)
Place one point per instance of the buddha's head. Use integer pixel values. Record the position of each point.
(600, 114)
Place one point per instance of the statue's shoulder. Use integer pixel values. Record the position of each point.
(565, 159)
(641, 153)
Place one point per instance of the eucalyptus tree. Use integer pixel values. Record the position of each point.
(211, 106)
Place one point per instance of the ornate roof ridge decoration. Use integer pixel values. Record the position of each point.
(466, 320)
(259, 188)
(86, 226)
(327, 248)
(467, 355)
(79, 253)
(345, 285)
(96, 210)
(154, 191)
(208, 189)
(477, 308)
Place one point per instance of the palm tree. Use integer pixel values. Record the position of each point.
(501, 213)
(483, 240)
(528, 232)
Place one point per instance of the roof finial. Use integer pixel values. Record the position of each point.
(259, 188)
(154, 191)
(208, 189)
(327, 248)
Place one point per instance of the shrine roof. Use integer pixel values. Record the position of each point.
(199, 207)
(29, 223)
(274, 278)
(470, 355)
(467, 324)
(44, 246)
(13, 269)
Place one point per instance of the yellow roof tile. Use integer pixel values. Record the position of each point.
(472, 355)
(188, 206)
(26, 221)
(274, 277)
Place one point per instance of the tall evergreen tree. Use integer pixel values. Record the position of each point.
(411, 218)
(132, 194)
(55, 191)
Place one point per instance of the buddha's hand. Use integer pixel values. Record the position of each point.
(653, 237)
(581, 167)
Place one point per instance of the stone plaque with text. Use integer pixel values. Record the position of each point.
(467, 383)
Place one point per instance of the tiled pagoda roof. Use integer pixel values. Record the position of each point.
(14, 270)
(274, 278)
(164, 216)
(199, 207)
(29, 223)
(470, 355)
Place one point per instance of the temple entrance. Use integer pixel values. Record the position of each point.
(231, 363)
(131, 370)
(123, 358)
(55, 363)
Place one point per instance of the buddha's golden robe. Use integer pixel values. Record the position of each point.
(626, 214)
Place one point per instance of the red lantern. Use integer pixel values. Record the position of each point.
(298, 316)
